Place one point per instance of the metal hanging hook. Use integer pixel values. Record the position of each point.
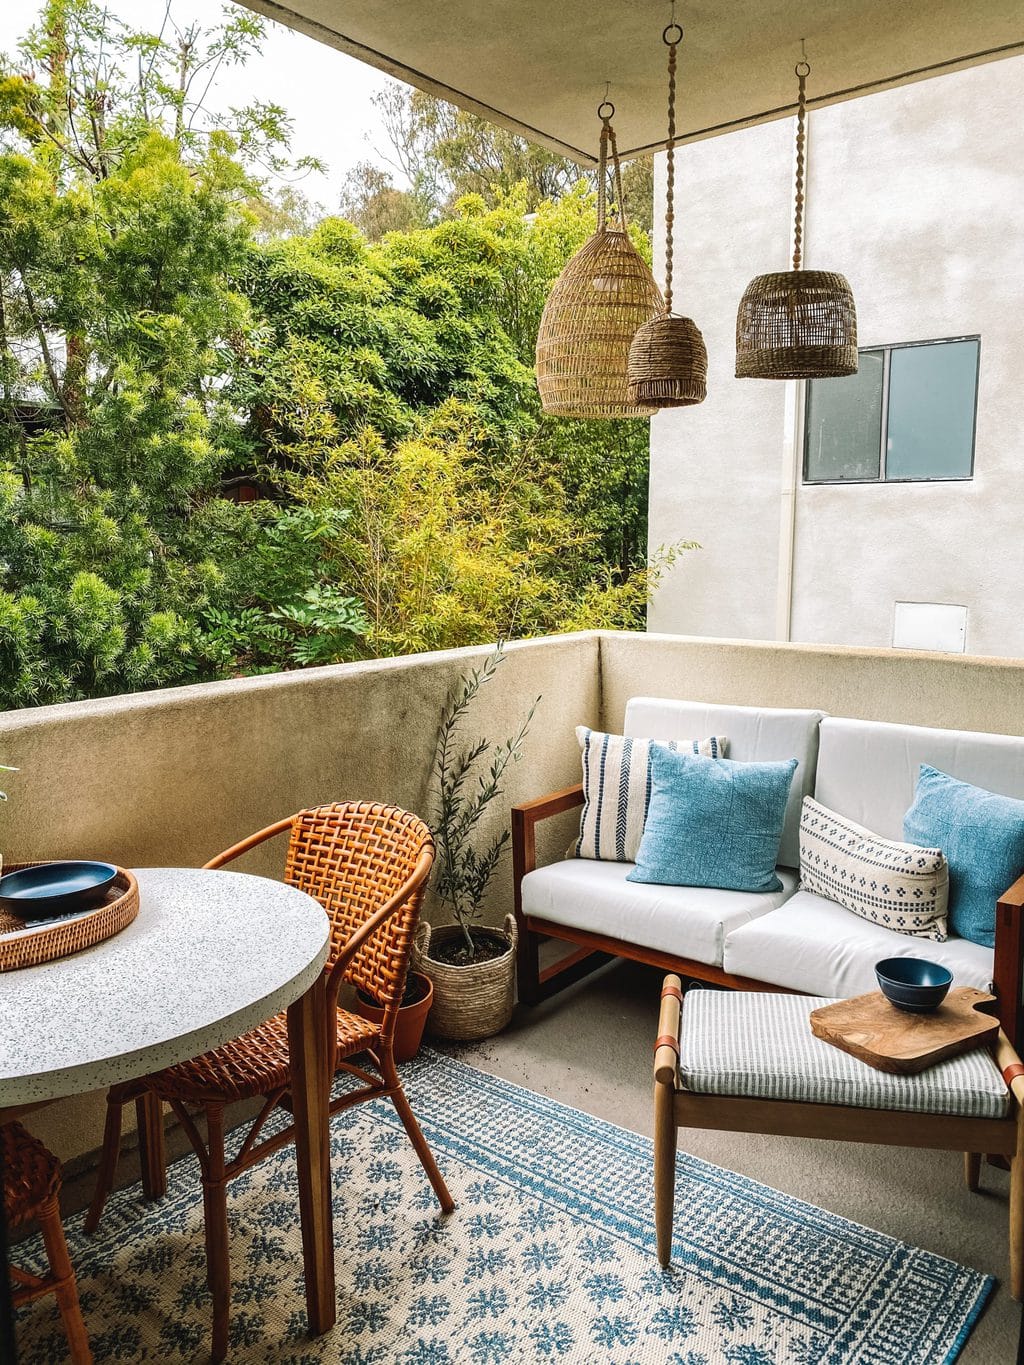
(606, 104)
(803, 66)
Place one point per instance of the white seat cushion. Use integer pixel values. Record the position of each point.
(745, 1043)
(687, 921)
(811, 944)
(757, 734)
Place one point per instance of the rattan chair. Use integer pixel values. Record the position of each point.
(368, 866)
(32, 1180)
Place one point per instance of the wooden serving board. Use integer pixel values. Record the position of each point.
(871, 1028)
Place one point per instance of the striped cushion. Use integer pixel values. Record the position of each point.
(617, 790)
(899, 886)
(745, 1043)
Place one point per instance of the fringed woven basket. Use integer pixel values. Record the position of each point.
(605, 292)
(469, 1002)
(796, 324)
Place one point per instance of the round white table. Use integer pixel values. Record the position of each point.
(210, 954)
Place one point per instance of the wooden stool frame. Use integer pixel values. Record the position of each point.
(675, 1108)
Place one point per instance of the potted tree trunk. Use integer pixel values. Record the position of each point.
(472, 966)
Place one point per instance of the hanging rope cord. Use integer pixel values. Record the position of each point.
(802, 70)
(608, 141)
(672, 37)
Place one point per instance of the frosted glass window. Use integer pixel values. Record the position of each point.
(907, 414)
(844, 423)
(931, 411)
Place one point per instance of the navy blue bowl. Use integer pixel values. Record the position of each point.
(911, 983)
(53, 889)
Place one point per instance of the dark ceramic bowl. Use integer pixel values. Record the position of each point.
(911, 983)
(53, 889)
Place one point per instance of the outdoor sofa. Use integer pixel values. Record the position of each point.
(787, 940)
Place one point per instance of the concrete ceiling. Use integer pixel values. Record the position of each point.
(539, 67)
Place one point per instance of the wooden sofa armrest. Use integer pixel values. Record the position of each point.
(1008, 967)
(525, 818)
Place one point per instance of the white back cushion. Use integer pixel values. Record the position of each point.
(756, 734)
(868, 770)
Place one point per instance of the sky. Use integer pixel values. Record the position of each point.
(326, 93)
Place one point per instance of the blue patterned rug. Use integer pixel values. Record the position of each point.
(549, 1256)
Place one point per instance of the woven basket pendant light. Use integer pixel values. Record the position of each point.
(595, 306)
(797, 324)
(668, 361)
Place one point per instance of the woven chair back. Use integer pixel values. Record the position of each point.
(353, 857)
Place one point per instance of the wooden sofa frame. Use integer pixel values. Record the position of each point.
(591, 951)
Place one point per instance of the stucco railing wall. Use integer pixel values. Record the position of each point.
(951, 692)
(170, 778)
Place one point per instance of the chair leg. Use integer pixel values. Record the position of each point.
(665, 1133)
(528, 967)
(972, 1170)
(152, 1154)
(419, 1142)
(66, 1287)
(1017, 1225)
(116, 1099)
(215, 1208)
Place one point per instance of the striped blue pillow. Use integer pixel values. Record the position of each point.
(617, 790)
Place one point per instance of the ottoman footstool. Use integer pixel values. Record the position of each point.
(746, 1062)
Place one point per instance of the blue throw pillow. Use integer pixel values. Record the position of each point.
(713, 822)
(982, 836)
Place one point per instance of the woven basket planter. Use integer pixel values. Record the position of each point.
(592, 314)
(796, 324)
(470, 1002)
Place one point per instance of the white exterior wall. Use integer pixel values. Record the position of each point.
(917, 196)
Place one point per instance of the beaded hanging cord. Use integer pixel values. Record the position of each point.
(668, 361)
(802, 70)
(672, 37)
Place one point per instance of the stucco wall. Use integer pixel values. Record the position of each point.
(904, 686)
(173, 777)
(915, 194)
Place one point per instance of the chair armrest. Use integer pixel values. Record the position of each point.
(666, 1046)
(236, 850)
(525, 818)
(1008, 964)
(1009, 1063)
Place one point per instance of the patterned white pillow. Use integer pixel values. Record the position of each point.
(617, 790)
(899, 886)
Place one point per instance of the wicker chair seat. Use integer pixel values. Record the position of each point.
(255, 1064)
(31, 1173)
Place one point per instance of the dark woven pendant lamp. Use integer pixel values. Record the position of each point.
(797, 324)
(668, 361)
(595, 306)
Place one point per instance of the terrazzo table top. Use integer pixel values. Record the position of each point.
(210, 954)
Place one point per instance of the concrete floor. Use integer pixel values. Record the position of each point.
(590, 1047)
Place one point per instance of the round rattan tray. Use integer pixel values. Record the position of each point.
(21, 947)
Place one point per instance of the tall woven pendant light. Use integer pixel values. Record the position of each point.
(668, 361)
(595, 306)
(797, 324)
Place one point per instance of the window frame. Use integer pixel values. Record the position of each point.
(883, 436)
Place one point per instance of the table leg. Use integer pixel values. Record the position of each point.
(307, 1047)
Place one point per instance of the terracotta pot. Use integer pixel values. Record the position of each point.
(474, 1001)
(411, 1018)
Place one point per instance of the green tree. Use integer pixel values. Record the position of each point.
(122, 226)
